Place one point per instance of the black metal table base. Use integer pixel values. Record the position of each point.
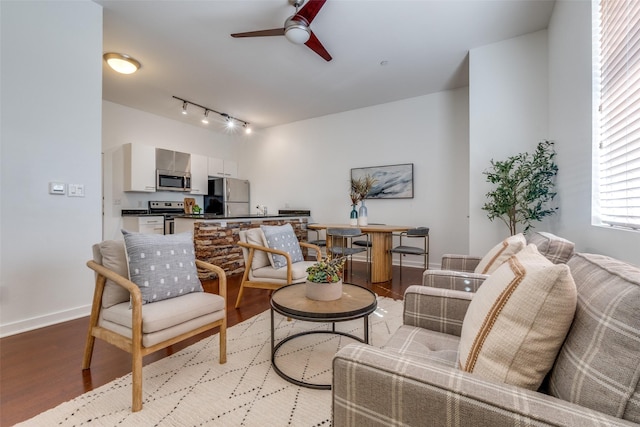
(274, 349)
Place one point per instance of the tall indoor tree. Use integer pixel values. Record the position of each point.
(525, 185)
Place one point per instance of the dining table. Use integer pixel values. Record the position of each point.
(381, 245)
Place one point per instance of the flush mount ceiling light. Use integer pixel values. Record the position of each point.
(121, 63)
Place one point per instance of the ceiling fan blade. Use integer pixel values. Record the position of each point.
(314, 44)
(261, 33)
(311, 9)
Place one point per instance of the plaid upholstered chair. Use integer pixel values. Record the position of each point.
(569, 357)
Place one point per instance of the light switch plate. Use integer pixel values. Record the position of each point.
(59, 188)
(76, 190)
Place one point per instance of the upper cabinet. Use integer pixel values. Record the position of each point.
(139, 168)
(222, 168)
(199, 174)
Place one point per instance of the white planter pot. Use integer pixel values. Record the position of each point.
(324, 291)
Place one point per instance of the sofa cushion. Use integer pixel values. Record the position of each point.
(518, 319)
(599, 364)
(282, 237)
(554, 248)
(112, 255)
(419, 343)
(255, 236)
(163, 266)
(500, 253)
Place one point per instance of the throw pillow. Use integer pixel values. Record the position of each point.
(163, 266)
(518, 320)
(112, 255)
(500, 253)
(283, 238)
(554, 248)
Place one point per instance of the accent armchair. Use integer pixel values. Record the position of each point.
(122, 315)
(261, 271)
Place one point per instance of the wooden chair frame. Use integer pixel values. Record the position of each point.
(246, 283)
(134, 345)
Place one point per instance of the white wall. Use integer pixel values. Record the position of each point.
(570, 124)
(50, 131)
(307, 164)
(507, 115)
(122, 125)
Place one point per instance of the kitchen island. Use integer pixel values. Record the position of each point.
(216, 236)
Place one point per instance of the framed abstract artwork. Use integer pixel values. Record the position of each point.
(391, 182)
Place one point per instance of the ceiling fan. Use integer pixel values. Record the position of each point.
(296, 27)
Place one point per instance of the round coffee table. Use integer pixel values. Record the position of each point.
(356, 302)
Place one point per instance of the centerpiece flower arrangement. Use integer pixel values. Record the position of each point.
(360, 188)
(324, 279)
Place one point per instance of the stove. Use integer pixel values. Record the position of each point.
(169, 210)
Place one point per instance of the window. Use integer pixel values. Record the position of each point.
(617, 31)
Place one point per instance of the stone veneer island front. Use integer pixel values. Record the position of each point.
(216, 239)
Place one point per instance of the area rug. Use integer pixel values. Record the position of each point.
(190, 388)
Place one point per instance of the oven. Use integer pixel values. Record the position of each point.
(169, 210)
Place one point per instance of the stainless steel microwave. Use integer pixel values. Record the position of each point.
(173, 181)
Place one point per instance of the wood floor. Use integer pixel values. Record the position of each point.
(41, 369)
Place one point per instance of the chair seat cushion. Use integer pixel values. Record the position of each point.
(419, 343)
(500, 253)
(412, 250)
(279, 275)
(167, 313)
(518, 320)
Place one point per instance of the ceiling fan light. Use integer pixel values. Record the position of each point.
(123, 64)
(298, 33)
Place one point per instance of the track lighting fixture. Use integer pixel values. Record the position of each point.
(229, 121)
(121, 63)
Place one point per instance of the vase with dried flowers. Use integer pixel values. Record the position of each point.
(361, 187)
(324, 279)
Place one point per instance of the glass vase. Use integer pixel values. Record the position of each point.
(362, 214)
(354, 215)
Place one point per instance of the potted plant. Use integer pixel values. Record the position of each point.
(324, 279)
(524, 185)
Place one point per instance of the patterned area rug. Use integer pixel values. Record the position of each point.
(190, 388)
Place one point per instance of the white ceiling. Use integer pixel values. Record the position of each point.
(186, 50)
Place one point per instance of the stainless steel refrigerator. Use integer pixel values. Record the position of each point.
(228, 196)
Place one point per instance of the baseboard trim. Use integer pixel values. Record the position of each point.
(43, 321)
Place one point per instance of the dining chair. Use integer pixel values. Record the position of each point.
(342, 243)
(414, 233)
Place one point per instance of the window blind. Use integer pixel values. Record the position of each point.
(619, 113)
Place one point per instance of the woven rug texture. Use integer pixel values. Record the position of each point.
(190, 388)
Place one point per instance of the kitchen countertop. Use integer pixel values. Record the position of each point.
(223, 217)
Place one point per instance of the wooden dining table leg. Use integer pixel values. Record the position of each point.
(381, 268)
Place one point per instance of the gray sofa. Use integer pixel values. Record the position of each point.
(415, 380)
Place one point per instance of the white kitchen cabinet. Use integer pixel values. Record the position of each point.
(222, 168)
(215, 167)
(139, 168)
(230, 169)
(199, 174)
(144, 224)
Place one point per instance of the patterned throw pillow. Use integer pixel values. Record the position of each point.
(500, 253)
(163, 266)
(283, 238)
(518, 320)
